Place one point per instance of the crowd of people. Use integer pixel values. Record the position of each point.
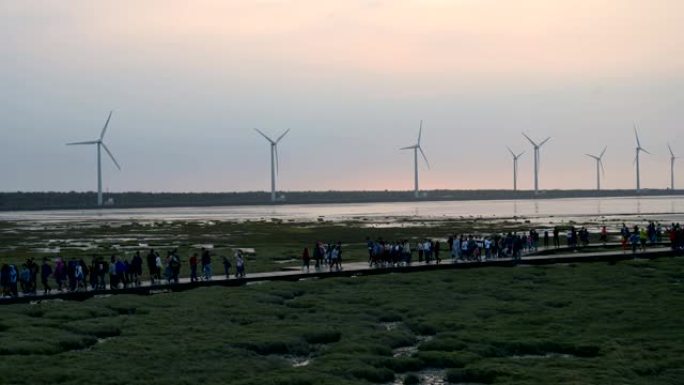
(466, 248)
(324, 255)
(115, 272)
(118, 272)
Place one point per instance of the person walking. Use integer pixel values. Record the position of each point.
(556, 237)
(456, 248)
(546, 239)
(226, 266)
(339, 256)
(175, 265)
(193, 268)
(136, 268)
(643, 237)
(13, 278)
(240, 266)
(604, 235)
(436, 252)
(206, 264)
(5, 280)
(79, 277)
(634, 240)
(306, 259)
(60, 273)
(45, 273)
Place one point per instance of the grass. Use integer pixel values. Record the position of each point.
(278, 244)
(578, 324)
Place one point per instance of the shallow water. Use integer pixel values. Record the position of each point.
(664, 207)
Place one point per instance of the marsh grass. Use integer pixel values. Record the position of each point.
(274, 241)
(585, 324)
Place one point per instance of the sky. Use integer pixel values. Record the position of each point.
(189, 80)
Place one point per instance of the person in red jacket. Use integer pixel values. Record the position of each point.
(306, 258)
(193, 268)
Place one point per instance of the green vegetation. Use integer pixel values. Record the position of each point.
(278, 244)
(566, 324)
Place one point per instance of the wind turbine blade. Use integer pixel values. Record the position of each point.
(80, 143)
(104, 129)
(603, 170)
(420, 132)
(636, 134)
(264, 135)
(111, 156)
(603, 152)
(592, 156)
(670, 148)
(519, 155)
(424, 157)
(408, 148)
(511, 151)
(531, 141)
(282, 136)
(545, 140)
(645, 150)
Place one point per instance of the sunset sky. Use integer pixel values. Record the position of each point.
(188, 80)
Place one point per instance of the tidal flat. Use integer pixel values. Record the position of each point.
(277, 244)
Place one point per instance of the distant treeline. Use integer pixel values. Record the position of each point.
(86, 200)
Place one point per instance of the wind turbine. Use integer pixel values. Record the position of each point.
(672, 163)
(416, 147)
(515, 167)
(100, 145)
(274, 159)
(636, 159)
(536, 160)
(599, 167)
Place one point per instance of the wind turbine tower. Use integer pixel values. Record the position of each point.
(672, 164)
(536, 160)
(636, 159)
(599, 167)
(274, 159)
(100, 145)
(416, 148)
(515, 167)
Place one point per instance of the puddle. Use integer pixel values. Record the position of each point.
(422, 339)
(406, 351)
(541, 356)
(286, 261)
(55, 250)
(389, 326)
(299, 362)
(207, 246)
(426, 377)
